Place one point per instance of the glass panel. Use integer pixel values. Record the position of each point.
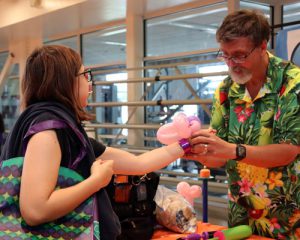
(291, 12)
(3, 57)
(177, 90)
(184, 31)
(266, 9)
(70, 42)
(104, 46)
(111, 93)
(10, 98)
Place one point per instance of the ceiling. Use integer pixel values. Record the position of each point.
(19, 19)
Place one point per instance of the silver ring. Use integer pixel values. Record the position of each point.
(205, 148)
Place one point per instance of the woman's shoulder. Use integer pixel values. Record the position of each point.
(48, 111)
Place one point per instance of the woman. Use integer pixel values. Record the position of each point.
(55, 89)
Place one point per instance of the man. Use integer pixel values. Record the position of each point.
(256, 114)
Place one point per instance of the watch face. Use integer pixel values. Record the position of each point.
(240, 152)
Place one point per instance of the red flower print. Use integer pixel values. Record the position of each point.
(243, 114)
(242, 118)
(293, 178)
(223, 97)
(277, 114)
(245, 186)
(282, 90)
(238, 109)
(248, 111)
(274, 224)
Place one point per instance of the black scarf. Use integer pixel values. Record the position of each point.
(59, 117)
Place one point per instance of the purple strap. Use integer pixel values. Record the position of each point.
(185, 145)
(57, 124)
(45, 125)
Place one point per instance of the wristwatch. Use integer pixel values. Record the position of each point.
(240, 152)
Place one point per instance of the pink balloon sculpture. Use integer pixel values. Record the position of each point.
(189, 192)
(181, 127)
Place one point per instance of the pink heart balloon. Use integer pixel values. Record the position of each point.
(181, 127)
(167, 134)
(189, 192)
(183, 188)
(195, 191)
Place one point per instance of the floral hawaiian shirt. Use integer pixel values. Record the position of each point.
(266, 199)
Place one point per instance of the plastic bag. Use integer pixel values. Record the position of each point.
(174, 212)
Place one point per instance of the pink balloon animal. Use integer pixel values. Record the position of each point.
(189, 192)
(181, 127)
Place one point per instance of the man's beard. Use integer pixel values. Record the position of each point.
(242, 77)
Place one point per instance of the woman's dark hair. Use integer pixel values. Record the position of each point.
(244, 23)
(50, 75)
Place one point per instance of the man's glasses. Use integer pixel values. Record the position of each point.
(87, 74)
(236, 59)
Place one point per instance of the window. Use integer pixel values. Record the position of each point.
(110, 93)
(257, 6)
(184, 31)
(291, 12)
(10, 98)
(104, 46)
(70, 42)
(3, 57)
(177, 90)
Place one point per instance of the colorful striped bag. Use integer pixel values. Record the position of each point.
(78, 224)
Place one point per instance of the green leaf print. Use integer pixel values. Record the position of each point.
(266, 118)
(265, 136)
(238, 215)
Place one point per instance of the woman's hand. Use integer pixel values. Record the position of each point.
(102, 172)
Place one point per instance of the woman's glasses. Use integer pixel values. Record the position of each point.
(87, 74)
